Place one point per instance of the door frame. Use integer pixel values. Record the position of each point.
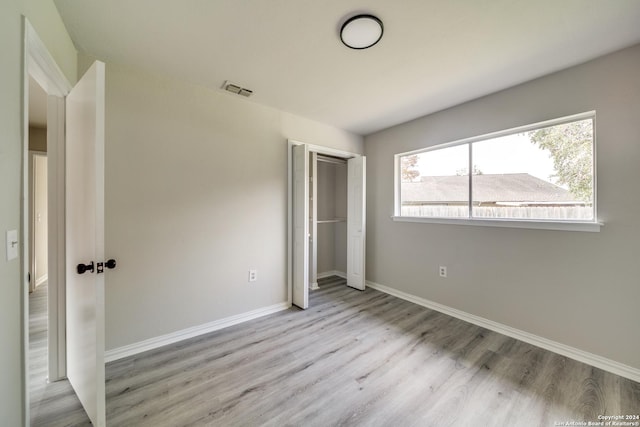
(313, 225)
(320, 149)
(39, 64)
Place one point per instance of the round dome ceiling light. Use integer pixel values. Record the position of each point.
(361, 31)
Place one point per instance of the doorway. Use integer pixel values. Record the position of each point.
(75, 157)
(38, 184)
(38, 354)
(305, 224)
(45, 88)
(328, 218)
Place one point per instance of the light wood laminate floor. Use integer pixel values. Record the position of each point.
(353, 358)
(51, 404)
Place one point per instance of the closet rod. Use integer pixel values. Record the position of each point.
(333, 160)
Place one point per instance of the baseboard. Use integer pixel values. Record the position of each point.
(554, 346)
(152, 343)
(332, 273)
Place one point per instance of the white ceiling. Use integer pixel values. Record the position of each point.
(434, 53)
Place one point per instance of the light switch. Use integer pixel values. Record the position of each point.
(12, 244)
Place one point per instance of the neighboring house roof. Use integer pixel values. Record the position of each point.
(487, 188)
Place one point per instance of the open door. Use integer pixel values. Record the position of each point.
(85, 241)
(300, 294)
(356, 221)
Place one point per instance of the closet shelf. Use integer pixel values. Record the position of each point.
(327, 221)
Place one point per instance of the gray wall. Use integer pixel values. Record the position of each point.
(11, 387)
(577, 288)
(45, 19)
(332, 203)
(326, 177)
(196, 195)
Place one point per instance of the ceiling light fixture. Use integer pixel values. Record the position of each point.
(361, 31)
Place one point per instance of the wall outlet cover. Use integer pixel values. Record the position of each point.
(442, 271)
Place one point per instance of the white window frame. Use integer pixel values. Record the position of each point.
(568, 225)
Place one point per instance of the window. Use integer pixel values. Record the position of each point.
(537, 173)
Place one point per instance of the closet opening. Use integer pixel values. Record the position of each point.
(327, 218)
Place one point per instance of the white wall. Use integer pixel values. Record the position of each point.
(581, 289)
(38, 142)
(196, 195)
(48, 24)
(41, 220)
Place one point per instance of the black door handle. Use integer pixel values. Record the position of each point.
(82, 268)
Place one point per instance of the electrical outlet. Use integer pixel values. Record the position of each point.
(253, 275)
(443, 271)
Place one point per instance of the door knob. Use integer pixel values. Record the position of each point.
(82, 268)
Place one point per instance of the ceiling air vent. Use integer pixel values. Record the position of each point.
(234, 88)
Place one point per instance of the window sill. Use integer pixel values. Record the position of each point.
(587, 226)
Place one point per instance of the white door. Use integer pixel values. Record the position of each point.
(356, 221)
(85, 241)
(301, 225)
